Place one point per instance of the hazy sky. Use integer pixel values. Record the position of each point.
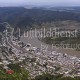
(40, 2)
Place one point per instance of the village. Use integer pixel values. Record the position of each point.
(36, 60)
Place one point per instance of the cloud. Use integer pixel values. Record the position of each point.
(40, 2)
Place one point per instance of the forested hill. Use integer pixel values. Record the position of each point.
(21, 17)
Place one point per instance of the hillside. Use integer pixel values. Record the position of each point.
(21, 17)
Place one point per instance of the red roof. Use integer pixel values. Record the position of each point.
(10, 72)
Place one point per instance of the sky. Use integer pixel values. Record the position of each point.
(40, 2)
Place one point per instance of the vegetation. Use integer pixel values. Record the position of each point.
(54, 77)
(22, 17)
(67, 42)
(22, 74)
(19, 73)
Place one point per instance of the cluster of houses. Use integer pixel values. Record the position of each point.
(38, 61)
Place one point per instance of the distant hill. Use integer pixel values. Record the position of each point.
(66, 9)
(22, 17)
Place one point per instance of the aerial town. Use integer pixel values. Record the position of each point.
(35, 60)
